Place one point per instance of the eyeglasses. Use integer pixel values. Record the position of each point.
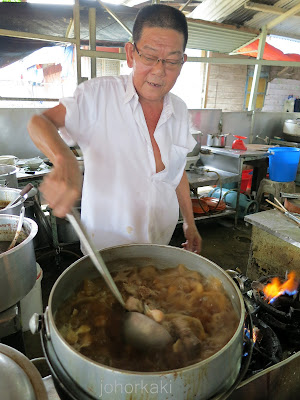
(150, 61)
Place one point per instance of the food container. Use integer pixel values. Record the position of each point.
(291, 130)
(18, 265)
(8, 176)
(8, 160)
(19, 378)
(216, 140)
(7, 195)
(199, 381)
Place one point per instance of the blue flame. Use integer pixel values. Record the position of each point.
(290, 293)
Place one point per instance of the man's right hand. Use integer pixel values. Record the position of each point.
(61, 188)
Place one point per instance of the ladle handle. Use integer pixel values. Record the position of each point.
(25, 190)
(74, 219)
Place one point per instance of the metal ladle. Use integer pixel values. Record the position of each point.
(139, 330)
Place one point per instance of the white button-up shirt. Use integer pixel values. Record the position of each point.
(124, 200)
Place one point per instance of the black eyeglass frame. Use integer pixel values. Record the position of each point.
(168, 63)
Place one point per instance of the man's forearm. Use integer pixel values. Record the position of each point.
(184, 199)
(45, 136)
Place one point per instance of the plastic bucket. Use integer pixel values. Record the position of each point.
(283, 163)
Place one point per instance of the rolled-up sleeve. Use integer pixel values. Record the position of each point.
(80, 113)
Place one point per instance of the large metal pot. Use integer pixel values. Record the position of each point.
(8, 176)
(198, 381)
(19, 378)
(7, 195)
(18, 265)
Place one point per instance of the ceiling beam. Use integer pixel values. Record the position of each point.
(293, 11)
(115, 17)
(251, 5)
(36, 36)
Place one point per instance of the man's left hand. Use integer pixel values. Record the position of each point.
(193, 239)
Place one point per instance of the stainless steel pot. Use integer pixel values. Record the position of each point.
(291, 130)
(19, 378)
(18, 265)
(8, 176)
(216, 140)
(9, 194)
(198, 381)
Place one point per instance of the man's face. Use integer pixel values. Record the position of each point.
(152, 82)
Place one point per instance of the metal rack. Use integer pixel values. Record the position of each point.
(223, 164)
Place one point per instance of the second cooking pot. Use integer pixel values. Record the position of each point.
(8, 176)
(18, 265)
(216, 140)
(7, 195)
(198, 381)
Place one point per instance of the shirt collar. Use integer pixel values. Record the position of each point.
(130, 91)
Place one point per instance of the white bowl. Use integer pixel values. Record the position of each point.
(33, 163)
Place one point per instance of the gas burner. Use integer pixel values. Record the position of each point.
(276, 321)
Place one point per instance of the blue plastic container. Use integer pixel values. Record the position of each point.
(283, 163)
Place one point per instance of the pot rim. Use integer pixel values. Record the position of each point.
(17, 191)
(33, 231)
(12, 169)
(50, 316)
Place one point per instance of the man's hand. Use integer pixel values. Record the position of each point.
(193, 239)
(61, 188)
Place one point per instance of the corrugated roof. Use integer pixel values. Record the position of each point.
(217, 37)
(234, 12)
(289, 28)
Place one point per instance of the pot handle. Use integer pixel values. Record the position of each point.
(39, 322)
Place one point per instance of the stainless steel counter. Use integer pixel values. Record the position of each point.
(250, 154)
(277, 224)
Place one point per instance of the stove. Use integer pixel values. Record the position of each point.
(276, 350)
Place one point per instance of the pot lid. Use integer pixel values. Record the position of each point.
(19, 378)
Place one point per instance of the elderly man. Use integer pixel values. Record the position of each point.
(134, 137)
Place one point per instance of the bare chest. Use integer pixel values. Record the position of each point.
(151, 122)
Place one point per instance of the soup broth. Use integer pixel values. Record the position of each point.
(194, 309)
(3, 204)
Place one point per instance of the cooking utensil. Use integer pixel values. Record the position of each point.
(284, 210)
(139, 330)
(19, 228)
(24, 191)
(202, 380)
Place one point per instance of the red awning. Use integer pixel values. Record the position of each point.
(270, 52)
